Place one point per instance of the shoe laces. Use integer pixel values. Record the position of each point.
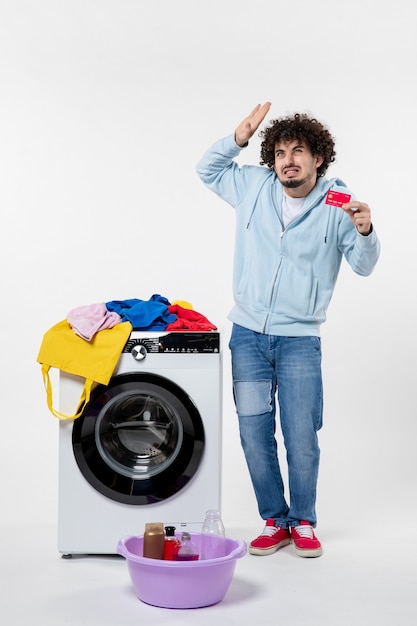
(305, 531)
(269, 531)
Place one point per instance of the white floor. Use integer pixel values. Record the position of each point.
(362, 578)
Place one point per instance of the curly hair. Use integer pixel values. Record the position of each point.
(301, 127)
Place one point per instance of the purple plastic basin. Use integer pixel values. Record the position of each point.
(180, 585)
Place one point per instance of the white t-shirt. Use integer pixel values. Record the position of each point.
(291, 208)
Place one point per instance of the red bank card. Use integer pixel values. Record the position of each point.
(336, 198)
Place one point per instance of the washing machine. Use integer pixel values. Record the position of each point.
(147, 447)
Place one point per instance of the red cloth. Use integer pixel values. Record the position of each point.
(188, 319)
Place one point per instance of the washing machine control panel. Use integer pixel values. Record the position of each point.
(173, 343)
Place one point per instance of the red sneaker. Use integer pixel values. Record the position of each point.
(305, 541)
(270, 540)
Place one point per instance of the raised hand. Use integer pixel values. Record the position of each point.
(250, 124)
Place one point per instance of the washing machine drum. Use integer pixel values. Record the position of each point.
(139, 440)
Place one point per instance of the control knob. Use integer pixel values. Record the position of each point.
(139, 352)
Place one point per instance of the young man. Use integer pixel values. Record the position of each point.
(293, 227)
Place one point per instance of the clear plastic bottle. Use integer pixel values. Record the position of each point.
(213, 541)
(188, 551)
(172, 543)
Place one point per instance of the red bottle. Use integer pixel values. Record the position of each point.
(171, 543)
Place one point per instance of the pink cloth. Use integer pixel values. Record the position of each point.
(87, 320)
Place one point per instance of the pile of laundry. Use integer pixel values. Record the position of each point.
(155, 314)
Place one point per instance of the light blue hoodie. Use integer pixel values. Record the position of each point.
(283, 278)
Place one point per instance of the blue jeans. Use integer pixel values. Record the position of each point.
(263, 366)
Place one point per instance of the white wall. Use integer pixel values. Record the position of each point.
(105, 108)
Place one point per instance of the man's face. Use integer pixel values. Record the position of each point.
(296, 167)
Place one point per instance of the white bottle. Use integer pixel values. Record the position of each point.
(213, 542)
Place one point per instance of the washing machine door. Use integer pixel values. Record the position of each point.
(140, 439)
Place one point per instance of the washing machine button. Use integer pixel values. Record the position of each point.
(139, 352)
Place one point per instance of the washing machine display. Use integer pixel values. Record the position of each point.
(147, 447)
(140, 440)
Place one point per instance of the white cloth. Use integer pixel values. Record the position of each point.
(291, 208)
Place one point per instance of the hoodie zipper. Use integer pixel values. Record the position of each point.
(283, 232)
